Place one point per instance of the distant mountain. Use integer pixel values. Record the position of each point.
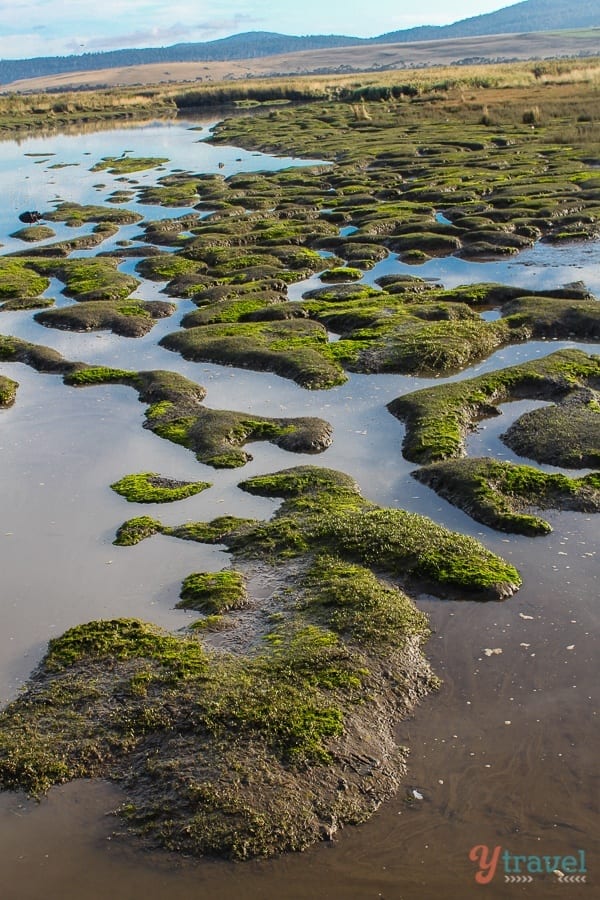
(239, 46)
(529, 15)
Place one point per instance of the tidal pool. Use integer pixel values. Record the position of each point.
(503, 755)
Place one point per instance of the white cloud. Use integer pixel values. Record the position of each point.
(44, 28)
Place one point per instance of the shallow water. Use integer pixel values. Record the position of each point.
(504, 755)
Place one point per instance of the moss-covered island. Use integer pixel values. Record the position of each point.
(148, 487)
(216, 436)
(8, 391)
(129, 318)
(565, 434)
(502, 495)
(125, 164)
(289, 738)
(439, 418)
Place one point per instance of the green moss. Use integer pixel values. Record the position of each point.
(75, 215)
(237, 309)
(321, 512)
(438, 418)
(133, 319)
(497, 493)
(88, 278)
(8, 391)
(563, 435)
(425, 242)
(406, 543)
(166, 267)
(135, 530)
(121, 639)
(213, 592)
(175, 429)
(123, 165)
(341, 273)
(354, 602)
(17, 279)
(34, 233)
(181, 192)
(157, 410)
(293, 349)
(549, 317)
(214, 532)
(148, 487)
(99, 375)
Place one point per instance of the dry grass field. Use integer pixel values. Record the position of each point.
(375, 58)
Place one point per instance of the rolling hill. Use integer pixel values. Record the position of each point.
(526, 16)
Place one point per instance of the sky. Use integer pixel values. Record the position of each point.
(31, 28)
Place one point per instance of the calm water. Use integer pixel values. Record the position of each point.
(505, 755)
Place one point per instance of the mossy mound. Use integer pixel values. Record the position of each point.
(18, 280)
(549, 317)
(341, 293)
(123, 165)
(74, 214)
(87, 279)
(34, 233)
(296, 349)
(251, 751)
(499, 494)
(64, 248)
(213, 593)
(128, 319)
(180, 191)
(148, 487)
(566, 434)
(425, 242)
(247, 308)
(438, 419)
(324, 510)
(8, 391)
(167, 266)
(341, 273)
(217, 437)
(168, 232)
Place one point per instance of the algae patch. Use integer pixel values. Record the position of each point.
(148, 487)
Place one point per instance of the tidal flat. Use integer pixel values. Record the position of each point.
(301, 663)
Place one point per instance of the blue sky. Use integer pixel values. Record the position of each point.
(60, 27)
